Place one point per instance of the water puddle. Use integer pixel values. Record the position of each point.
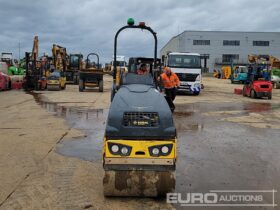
(212, 154)
(190, 109)
(91, 121)
(188, 118)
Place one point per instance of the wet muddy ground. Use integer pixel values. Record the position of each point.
(50, 154)
(91, 122)
(218, 155)
(213, 154)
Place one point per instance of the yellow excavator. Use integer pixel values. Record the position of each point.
(139, 150)
(57, 78)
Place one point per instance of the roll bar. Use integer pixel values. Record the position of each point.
(88, 59)
(141, 26)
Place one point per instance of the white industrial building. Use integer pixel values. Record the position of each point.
(218, 48)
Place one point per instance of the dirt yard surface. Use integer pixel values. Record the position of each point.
(51, 142)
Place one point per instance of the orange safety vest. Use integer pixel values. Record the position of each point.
(170, 81)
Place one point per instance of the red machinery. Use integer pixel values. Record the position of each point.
(5, 81)
(258, 83)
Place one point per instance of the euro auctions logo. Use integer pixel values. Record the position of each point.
(225, 198)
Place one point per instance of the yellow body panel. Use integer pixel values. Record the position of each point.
(47, 73)
(140, 145)
(53, 82)
(226, 72)
(61, 82)
(215, 74)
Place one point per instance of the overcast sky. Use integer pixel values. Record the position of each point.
(90, 25)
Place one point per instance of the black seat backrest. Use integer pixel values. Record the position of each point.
(132, 78)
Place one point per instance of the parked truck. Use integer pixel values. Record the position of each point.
(120, 63)
(187, 66)
(7, 58)
(3, 67)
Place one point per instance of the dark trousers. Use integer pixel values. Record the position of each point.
(170, 97)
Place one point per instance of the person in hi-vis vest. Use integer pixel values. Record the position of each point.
(170, 83)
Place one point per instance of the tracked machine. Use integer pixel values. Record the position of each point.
(139, 151)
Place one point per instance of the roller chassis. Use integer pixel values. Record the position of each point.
(139, 150)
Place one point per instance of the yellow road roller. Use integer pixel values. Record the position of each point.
(139, 150)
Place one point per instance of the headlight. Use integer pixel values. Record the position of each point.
(115, 148)
(161, 150)
(124, 150)
(164, 149)
(119, 149)
(155, 151)
(196, 85)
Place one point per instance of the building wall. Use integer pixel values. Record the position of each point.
(184, 43)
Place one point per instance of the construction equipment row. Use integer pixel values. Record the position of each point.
(53, 72)
(269, 65)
